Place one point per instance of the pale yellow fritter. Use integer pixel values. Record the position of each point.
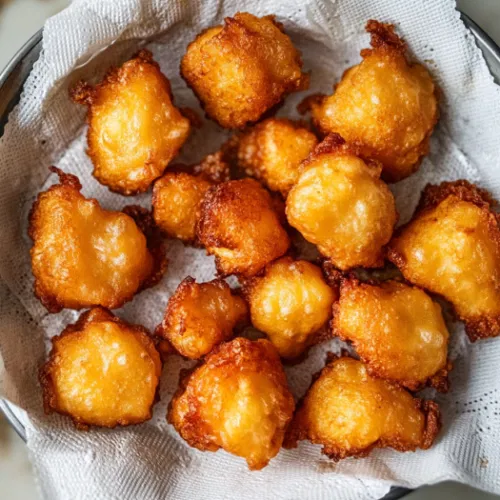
(240, 226)
(340, 204)
(101, 371)
(349, 413)
(134, 128)
(242, 69)
(272, 151)
(398, 331)
(452, 247)
(385, 105)
(290, 303)
(83, 255)
(200, 316)
(238, 400)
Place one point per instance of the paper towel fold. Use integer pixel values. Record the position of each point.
(150, 461)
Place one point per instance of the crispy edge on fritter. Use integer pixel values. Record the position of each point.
(95, 315)
(240, 353)
(432, 196)
(438, 381)
(297, 431)
(177, 301)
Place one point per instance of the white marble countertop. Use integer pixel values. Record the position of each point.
(19, 19)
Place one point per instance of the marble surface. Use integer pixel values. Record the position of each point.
(19, 19)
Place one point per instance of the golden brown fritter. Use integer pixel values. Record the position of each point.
(290, 303)
(452, 247)
(349, 413)
(177, 195)
(397, 330)
(101, 371)
(340, 204)
(83, 255)
(238, 400)
(239, 225)
(200, 316)
(385, 105)
(272, 151)
(242, 69)
(134, 128)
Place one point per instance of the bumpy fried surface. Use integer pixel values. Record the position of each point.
(238, 400)
(349, 413)
(242, 69)
(290, 303)
(200, 316)
(398, 330)
(272, 151)
(83, 255)
(240, 226)
(385, 105)
(177, 195)
(101, 371)
(452, 247)
(340, 204)
(134, 128)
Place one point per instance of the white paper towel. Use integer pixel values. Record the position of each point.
(150, 461)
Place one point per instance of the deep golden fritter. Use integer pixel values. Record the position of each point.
(200, 316)
(385, 105)
(242, 69)
(272, 151)
(340, 204)
(290, 303)
(134, 128)
(83, 255)
(239, 225)
(238, 400)
(178, 193)
(349, 413)
(101, 371)
(452, 247)
(398, 331)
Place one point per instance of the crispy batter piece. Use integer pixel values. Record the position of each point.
(242, 69)
(398, 331)
(385, 105)
(340, 204)
(238, 400)
(349, 413)
(272, 151)
(452, 247)
(240, 226)
(83, 255)
(134, 128)
(200, 316)
(291, 302)
(178, 193)
(101, 371)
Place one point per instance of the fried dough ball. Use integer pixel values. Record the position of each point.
(349, 413)
(134, 128)
(340, 204)
(242, 69)
(385, 105)
(238, 400)
(272, 152)
(290, 303)
(83, 255)
(452, 247)
(398, 331)
(240, 226)
(200, 316)
(177, 196)
(101, 371)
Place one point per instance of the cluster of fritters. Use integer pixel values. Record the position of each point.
(248, 204)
